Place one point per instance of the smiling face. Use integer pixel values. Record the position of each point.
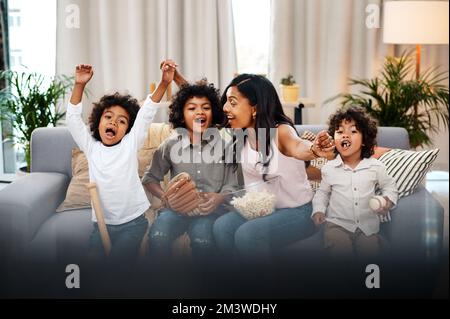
(348, 140)
(238, 110)
(197, 114)
(113, 125)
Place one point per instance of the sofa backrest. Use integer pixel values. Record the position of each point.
(391, 137)
(51, 148)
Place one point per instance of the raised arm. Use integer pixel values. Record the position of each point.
(178, 78)
(83, 73)
(293, 146)
(79, 131)
(168, 68)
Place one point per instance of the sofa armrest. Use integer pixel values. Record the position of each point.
(417, 226)
(51, 150)
(26, 203)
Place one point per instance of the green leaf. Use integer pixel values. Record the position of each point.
(31, 100)
(393, 97)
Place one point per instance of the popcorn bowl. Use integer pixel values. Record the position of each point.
(256, 199)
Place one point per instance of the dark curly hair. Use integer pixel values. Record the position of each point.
(198, 89)
(129, 103)
(364, 123)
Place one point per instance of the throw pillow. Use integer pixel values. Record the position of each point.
(408, 168)
(77, 196)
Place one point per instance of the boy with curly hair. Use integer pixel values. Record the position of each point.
(117, 129)
(348, 183)
(195, 113)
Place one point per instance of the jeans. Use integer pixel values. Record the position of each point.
(125, 239)
(169, 225)
(259, 238)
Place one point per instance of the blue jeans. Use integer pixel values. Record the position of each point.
(260, 237)
(125, 239)
(169, 225)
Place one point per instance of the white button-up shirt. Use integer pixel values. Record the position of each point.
(344, 193)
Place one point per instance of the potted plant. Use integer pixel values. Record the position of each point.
(289, 89)
(398, 98)
(29, 101)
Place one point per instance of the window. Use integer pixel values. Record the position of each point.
(32, 35)
(252, 32)
(32, 47)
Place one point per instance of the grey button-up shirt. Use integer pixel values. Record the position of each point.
(204, 163)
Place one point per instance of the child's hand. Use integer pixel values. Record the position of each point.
(209, 202)
(168, 68)
(83, 73)
(384, 210)
(323, 145)
(319, 218)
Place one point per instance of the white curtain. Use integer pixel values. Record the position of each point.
(125, 40)
(323, 43)
(432, 56)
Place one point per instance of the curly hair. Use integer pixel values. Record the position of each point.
(127, 102)
(198, 89)
(366, 124)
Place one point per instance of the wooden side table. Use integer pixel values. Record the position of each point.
(294, 109)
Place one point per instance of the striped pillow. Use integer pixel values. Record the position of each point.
(408, 168)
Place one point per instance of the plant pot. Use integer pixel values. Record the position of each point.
(21, 172)
(290, 93)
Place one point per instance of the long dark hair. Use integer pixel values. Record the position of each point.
(269, 112)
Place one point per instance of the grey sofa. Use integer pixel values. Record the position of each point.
(31, 230)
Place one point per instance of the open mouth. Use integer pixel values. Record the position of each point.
(345, 144)
(110, 132)
(200, 121)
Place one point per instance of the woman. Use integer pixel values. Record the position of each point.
(271, 148)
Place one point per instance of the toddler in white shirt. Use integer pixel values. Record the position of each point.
(348, 183)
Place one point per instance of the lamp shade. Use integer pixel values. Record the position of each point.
(415, 22)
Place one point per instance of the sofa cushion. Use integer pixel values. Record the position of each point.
(63, 236)
(408, 168)
(77, 196)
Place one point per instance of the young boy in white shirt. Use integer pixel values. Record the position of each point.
(348, 183)
(117, 129)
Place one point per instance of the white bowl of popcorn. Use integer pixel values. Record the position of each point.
(257, 199)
